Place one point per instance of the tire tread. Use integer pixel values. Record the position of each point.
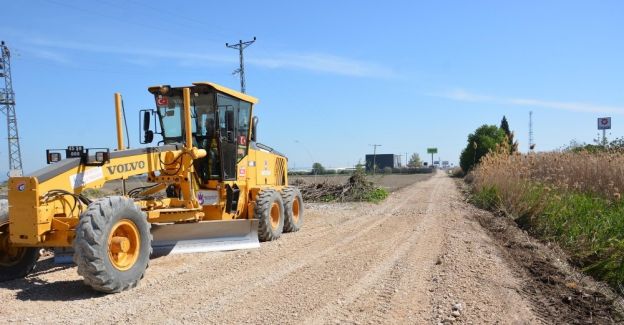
(91, 253)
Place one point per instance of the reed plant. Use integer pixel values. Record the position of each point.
(571, 198)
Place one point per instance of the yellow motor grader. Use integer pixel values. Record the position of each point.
(212, 186)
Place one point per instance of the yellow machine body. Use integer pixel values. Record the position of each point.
(44, 210)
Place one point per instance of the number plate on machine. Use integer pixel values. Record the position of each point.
(74, 151)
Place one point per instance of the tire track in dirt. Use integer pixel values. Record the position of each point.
(332, 270)
(297, 258)
(377, 288)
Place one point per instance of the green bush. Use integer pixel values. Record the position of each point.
(589, 228)
(487, 198)
(377, 195)
(480, 143)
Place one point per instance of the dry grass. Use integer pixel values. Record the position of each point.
(570, 198)
(600, 174)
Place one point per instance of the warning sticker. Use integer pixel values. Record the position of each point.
(242, 172)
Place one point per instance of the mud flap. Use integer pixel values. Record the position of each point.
(206, 236)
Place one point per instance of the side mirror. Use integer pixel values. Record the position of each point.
(254, 129)
(146, 120)
(148, 136)
(145, 117)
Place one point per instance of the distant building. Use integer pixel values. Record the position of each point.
(382, 161)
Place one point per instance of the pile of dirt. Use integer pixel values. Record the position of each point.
(559, 293)
(357, 188)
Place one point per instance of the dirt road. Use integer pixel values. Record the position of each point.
(409, 260)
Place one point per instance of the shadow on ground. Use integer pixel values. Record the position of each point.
(34, 288)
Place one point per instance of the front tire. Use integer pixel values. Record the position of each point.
(113, 244)
(269, 211)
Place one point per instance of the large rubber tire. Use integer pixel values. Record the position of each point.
(293, 209)
(94, 246)
(269, 211)
(15, 263)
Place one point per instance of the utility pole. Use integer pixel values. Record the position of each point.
(240, 46)
(7, 106)
(374, 156)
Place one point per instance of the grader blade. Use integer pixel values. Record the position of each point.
(184, 238)
(207, 236)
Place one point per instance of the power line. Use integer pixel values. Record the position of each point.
(170, 17)
(153, 28)
(7, 106)
(183, 18)
(240, 46)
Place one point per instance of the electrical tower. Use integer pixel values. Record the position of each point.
(531, 144)
(7, 106)
(240, 46)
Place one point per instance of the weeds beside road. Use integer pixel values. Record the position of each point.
(569, 198)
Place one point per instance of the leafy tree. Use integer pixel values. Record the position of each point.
(414, 161)
(318, 169)
(480, 143)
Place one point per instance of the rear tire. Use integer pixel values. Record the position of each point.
(269, 211)
(15, 262)
(293, 209)
(113, 244)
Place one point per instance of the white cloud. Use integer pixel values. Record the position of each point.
(568, 106)
(136, 53)
(49, 55)
(467, 96)
(464, 96)
(319, 62)
(315, 62)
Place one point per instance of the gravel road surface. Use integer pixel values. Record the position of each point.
(416, 258)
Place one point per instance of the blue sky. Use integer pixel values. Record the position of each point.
(333, 77)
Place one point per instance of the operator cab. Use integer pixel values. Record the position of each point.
(221, 123)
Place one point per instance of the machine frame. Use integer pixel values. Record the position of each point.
(45, 207)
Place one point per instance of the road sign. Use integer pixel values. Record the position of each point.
(432, 150)
(604, 123)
